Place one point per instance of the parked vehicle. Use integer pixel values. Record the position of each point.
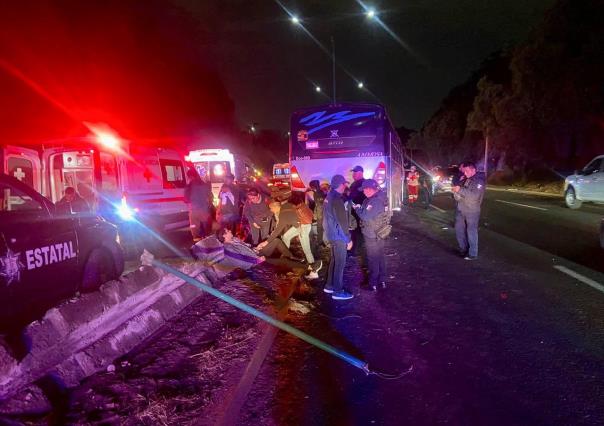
(443, 177)
(47, 254)
(215, 164)
(138, 188)
(586, 185)
(281, 175)
(332, 139)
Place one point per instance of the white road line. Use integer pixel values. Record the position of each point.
(438, 208)
(580, 277)
(520, 191)
(521, 205)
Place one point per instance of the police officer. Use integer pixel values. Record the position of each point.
(374, 215)
(357, 197)
(468, 194)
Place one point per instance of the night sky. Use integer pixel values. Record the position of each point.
(269, 65)
(183, 68)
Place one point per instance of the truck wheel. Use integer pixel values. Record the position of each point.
(117, 254)
(570, 197)
(99, 269)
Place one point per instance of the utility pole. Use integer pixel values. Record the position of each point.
(486, 155)
(333, 68)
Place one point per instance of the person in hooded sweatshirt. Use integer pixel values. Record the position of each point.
(374, 214)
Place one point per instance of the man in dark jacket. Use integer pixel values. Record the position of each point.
(468, 194)
(258, 215)
(374, 214)
(336, 224)
(198, 195)
(357, 197)
(72, 202)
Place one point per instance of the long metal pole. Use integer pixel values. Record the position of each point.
(333, 68)
(486, 155)
(356, 362)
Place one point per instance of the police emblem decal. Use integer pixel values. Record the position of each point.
(11, 267)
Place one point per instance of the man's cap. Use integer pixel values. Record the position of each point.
(338, 180)
(369, 183)
(357, 169)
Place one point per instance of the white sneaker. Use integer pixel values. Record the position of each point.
(312, 275)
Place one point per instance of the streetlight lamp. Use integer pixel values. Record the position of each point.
(360, 85)
(318, 89)
(295, 20)
(370, 13)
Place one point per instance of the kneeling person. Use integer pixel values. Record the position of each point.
(374, 215)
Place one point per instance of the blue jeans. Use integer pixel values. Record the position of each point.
(466, 230)
(335, 274)
(376, 260)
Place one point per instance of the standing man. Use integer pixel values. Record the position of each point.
(198, 195)
(258, 215)
(336, 227)
(357, 197)
(374, 214)
(468, 194)
(413, 184)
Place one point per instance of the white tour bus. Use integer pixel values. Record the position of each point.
(332, 139)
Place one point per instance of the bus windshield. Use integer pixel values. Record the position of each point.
(338, 131)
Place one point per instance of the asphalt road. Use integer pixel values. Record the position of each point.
(540, 221)
(515, 338)
(505, 340)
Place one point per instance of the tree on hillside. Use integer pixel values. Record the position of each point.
(445, 137)
(548, 114)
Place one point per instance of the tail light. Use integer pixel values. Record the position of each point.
(380, 175)
(297, 183)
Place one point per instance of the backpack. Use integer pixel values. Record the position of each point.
(304, 213)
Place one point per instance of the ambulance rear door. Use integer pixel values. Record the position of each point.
(22, 164)
(70, 168)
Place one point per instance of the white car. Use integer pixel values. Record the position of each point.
(585, 185)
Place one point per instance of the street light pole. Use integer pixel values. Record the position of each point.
(333, 67)
(486, 155)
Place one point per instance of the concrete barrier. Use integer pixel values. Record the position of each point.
(81, 337)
